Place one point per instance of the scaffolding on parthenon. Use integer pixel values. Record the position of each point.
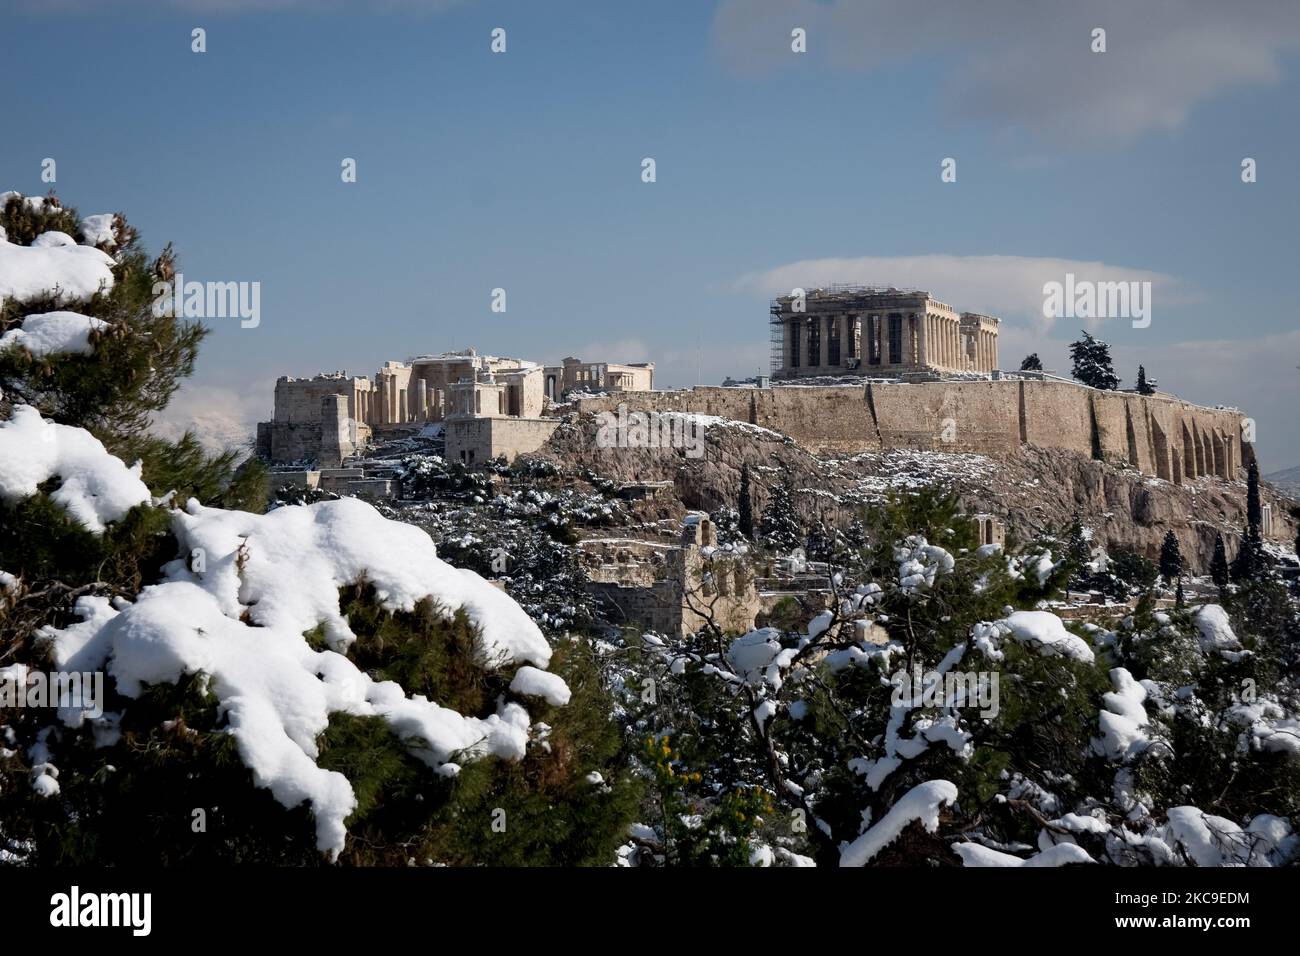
(776, 326)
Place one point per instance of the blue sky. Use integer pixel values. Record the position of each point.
(522, 170)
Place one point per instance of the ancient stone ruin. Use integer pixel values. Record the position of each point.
(490, 406)
(855, 369)
(869, 331)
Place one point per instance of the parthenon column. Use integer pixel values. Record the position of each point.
(421, 401)
(801, 330)
(845, 343)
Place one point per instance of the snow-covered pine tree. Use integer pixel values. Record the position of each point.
(1092, 363)
(1078, 551)
(1031, 363)
(1145, 386)
(781, 529)
(248, 708)
(1127, 761)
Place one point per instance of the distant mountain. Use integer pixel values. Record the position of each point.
(1286, 481)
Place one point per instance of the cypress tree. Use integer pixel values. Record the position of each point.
(1171, 558)
(746, 504)
(1251, 561)
(1219, 563)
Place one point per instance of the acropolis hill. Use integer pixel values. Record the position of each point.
(855, 369)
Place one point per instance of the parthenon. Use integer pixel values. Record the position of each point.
(861, 330)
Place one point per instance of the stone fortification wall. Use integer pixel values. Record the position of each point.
(1156, 435)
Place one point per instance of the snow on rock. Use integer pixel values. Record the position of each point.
(78, 272)
(1046, 633)
(50, 332)
(973, 854)
(531, 682)
(697, 420)
(96, 487)
(922, 803)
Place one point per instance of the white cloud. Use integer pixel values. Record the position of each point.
(1029, 65)
(621, 352)
(1005, 286)
(219, 417)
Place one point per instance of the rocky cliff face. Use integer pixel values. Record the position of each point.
(1033, 489)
